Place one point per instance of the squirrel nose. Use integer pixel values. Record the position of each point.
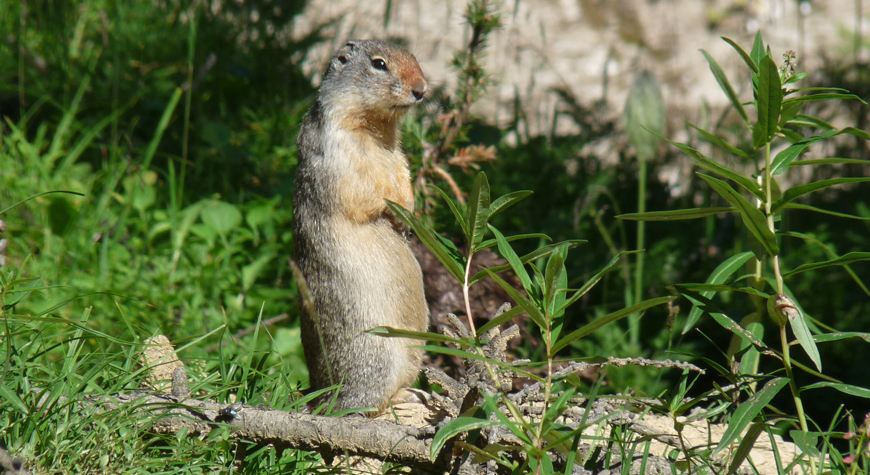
(419, 89)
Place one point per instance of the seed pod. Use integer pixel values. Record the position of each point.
(781, 309)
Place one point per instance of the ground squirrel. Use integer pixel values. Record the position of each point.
(354, 254)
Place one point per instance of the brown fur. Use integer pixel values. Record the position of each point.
(357, 261)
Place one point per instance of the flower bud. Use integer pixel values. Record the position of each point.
(781, 309)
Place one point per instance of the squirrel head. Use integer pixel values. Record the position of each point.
(372, 79)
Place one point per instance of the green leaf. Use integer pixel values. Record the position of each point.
(504, 202)
(600, 322)
(726, 85)
(840, 261)
(789, 112)
(747, 411)
(526, 303)
(454, 428)
(830, 161)
(783, 159)
(676, 215)
(492, 242)
(823, 211)
(449, 258)
(768, 102)
(543, 251)
(504, 317)
(811, 121)
(253, 270)
(723, 288)
(843, 388)
(826, 337)
(711, 166)
(513, 259)
(746, 58)
(719, 275)
(807, 442)
(746, 446)
(554, 273)
(797, 191)
(805, 338)
(221, 217)
(594, 280)
(823, 97)
(757, 52)
(720, 142)
(477, 211)
(453, 208)
(753, 218)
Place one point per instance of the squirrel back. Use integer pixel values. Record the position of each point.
(352, 251)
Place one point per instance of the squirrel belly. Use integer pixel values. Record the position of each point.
(354, 254)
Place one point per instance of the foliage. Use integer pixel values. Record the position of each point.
(146, 159)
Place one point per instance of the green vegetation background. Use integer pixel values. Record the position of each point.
(178, 131)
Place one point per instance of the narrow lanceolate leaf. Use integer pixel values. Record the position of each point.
(840, 261)
(477, 212)
(453, 208)
(506, 201)
(746, 446)
(843, 388)
(726, 86)
(676, 215)
(797, 191)
(390, 332)
(824, 97)
(783, 159)
(719, 142)
(748, 410)
(448, 257)
(711, 166)
(753, 218)
(811, 121)
(746, 58)
(719, 275)
(600, 322)
(830, 161)
(513, 259)
(526, 303)
(543, 251)
(757, 52)
(768, 102)
(454, 428)
(826, 337)
(492, 242)
(805, 338)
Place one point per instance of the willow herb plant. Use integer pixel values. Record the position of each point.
(545, 298)
(778, 106)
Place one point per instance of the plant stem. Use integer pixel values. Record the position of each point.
(634, 319)
(786, 358)
(465, 288)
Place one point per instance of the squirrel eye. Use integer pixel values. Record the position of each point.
(379, 63)
(342, 59)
